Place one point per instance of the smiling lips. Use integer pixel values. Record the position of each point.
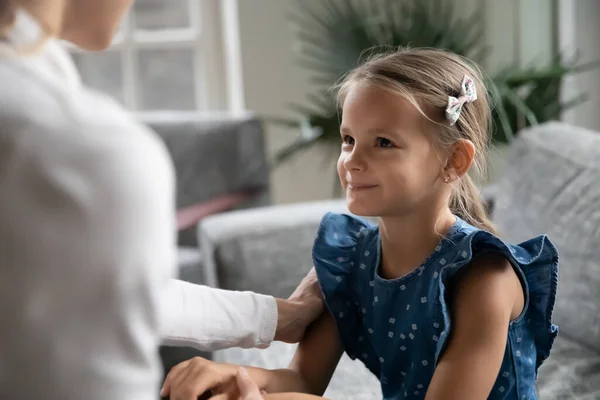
(356, 187)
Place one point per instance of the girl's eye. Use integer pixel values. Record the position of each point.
(348, 140)
(383, 142)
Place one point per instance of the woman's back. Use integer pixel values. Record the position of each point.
(87, 236)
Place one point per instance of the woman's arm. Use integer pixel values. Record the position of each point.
(486, 297)
(212, 319)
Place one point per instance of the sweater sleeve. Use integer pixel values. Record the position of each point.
(212, 319)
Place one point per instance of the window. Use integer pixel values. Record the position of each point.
(166, 56)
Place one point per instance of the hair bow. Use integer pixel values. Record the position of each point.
(468, 94)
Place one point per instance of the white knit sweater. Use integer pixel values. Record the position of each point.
(88, 244)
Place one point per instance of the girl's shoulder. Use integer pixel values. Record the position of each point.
(340, 240)
(338, 229)
(536, 263)
(469, 242)
(340, 237)
(466, 241)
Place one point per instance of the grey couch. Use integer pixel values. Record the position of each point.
(552, 185)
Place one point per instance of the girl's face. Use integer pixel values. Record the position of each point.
(388, 164)
(91, 24)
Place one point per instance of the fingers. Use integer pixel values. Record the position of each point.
(173, 375)
(228, 391)
(244, 389)
(312, 281)
(225, 396)
(193, 383)
(311, 278)
(308, 288)
(192, 378)
(248, 389)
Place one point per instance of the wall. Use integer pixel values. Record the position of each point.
(520, 32)
(271, 82)
(580, 32)
(516, 30)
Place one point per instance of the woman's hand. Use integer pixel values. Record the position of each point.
(296, 313)
(198, 376)
(248, 389)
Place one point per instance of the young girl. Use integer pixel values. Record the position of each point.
(431, 300)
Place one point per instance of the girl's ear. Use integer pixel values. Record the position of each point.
(461, 159)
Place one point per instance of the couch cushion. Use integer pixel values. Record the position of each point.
(552, 186)
(571, 373)
(351, 380)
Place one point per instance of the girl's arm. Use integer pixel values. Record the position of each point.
(486, 297)
(309, 372)
(313, 364)
(318, 355)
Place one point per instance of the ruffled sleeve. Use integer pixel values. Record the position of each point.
(536, 263)
(334, 256)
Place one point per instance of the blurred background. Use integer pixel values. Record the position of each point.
(259, 55)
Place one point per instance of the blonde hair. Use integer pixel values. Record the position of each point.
(425, 78)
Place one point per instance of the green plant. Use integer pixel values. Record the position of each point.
(333, 35)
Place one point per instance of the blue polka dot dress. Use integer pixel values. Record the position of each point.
(398, 328)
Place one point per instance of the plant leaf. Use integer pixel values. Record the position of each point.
(289, 151)
(519, 104)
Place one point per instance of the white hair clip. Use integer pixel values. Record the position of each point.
(468, 94)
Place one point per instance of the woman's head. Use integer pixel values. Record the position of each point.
(400, 153)
(89, 24)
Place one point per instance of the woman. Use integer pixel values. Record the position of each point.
(87, 227)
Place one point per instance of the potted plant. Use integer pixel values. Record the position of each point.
(333, 36)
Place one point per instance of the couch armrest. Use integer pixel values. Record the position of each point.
(266, 249)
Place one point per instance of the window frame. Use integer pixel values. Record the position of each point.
(203, 37)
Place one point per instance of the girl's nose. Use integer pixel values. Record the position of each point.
(355, 161)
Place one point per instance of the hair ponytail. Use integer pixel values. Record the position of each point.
(466, 203)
